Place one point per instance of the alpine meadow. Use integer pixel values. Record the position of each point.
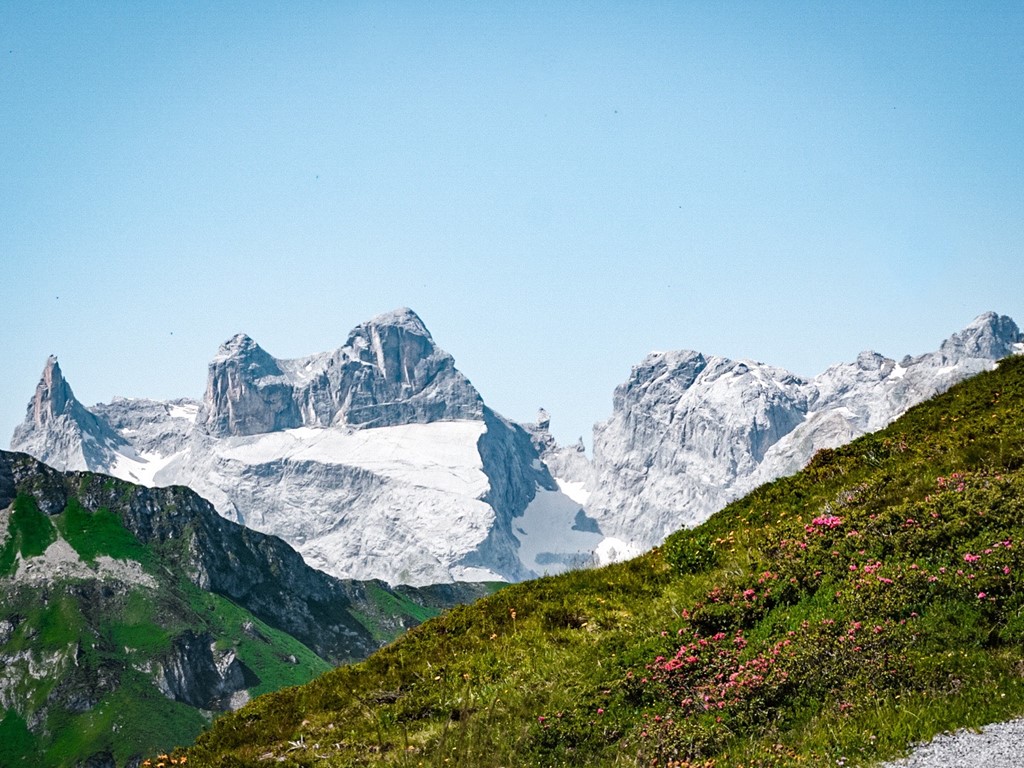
(832, 617)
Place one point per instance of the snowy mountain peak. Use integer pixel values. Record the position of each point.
(247, 393)
(243, 353)
(690, 433)
(240, 344)
(989, 336)
(53, 402)
(397, 343)
(389, 372)
(378, 459)
(236, 342)
(673, 370)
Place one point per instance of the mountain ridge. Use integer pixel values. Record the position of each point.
(381, 460)
(690, 432)
(376, 460)
(389, 371)
(261, 573)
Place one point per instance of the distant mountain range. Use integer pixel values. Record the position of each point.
(381, 460)
(377, 460)
(691, 432)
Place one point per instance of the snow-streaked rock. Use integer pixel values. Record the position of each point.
(400, 503)
(60, 431)
(684, 429)
(555, 534)
(567, 463)
(690, 433)
(377, 460)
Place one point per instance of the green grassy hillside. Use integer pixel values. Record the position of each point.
(129, 616)
(79, 650)
(830, 618)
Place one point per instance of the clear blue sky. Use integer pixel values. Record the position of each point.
(556, 188)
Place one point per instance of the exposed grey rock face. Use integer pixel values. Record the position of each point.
(690, 433)
(81, 690)
(565, 462)
(401, 377)
(515, 475)
(197, 674)
(388, 372)
(149, 426)
(60, 430)
(684, 429)
(989, 337)
(852, 399)
(247, 392)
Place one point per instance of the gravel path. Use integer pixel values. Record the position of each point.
(1000, 745)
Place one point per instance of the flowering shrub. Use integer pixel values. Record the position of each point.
(714, 675)
(824, 521)
(690, 551)
(880, 572)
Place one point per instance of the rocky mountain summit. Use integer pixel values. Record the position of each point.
(60, 430)
(389, 372)
(690, 433)
(376, 460)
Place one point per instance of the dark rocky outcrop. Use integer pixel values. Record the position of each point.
(195, 673)
(100, 760)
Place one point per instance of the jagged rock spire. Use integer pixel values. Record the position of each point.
(56, 426)
(53, 395)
